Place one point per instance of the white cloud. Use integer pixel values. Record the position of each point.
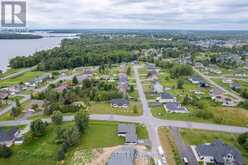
(165, 14)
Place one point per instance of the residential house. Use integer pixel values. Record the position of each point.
(199, 65)
(123, 156)
(166, 98)
(4, 95)
(14, 90)
(235, 86)
(227, 81)
(129, 132)
(195, 80)
(10, 137)
(88, 72)
(157, 88)
(214, 69)
(123, 85)
(119, 103)
(175, 107)
(217, 153)
(152, 75)
(217, 94)
(61, 88)
(81, 78)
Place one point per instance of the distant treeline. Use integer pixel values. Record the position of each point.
(4, 36)
(88, 51)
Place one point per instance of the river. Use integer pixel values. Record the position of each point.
(13, 48)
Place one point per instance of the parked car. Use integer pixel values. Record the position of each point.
(185, 160)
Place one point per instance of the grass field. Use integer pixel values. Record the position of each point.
(43, 151)
(194, 137)
(28, 76)
(142, 132)
(222, 115)
(10, 71)
(169, 146)
(105, 108)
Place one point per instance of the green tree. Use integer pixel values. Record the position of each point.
(60, 154)
(243, 140)
(38, 128)
(57, 117)
(5, 152)
(81, 120)
(75, 80)
(15, 111)
(180, 84)
(129, 70)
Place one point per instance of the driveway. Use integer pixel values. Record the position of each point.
(184, 150)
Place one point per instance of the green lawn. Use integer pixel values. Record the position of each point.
(194, 137)
(10, 71)
(169, 145)
(22, 78)
(43, 151)
(222, 115)
(142, 132)
(105, 108)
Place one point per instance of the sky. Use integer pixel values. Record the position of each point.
(139, 14)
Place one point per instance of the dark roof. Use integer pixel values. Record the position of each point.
(219, 150)
(236, 86)
(88, 71)
(196, 78)
(166, 96)
(7, 135)
(175, 106)
(130, 131)
(4, 94)
(123, 156)
(120, 102)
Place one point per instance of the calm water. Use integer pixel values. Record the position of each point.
(13, 48)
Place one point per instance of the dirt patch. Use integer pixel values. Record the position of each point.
(101, 156)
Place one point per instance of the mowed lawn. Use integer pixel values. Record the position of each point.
(28, 76)
(106, 108)
(10, 71)
(221, 115)
(194, 137)
(43, 151)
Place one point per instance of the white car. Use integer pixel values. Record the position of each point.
(185, 160)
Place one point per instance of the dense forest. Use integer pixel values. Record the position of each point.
(89, 51)
(16, 36)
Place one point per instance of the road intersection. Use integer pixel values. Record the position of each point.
(147, 119)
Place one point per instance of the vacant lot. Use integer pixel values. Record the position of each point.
(106, 108)
(43, 151)
(28, 76)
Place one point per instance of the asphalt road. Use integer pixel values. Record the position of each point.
(184, 150)
(147, 119)
(239, 99)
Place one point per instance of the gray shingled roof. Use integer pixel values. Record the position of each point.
(120, 102)
(166, 96)
(219, 150)
(7, 135)
(123, 156)
(175, 106)
(130, 131)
